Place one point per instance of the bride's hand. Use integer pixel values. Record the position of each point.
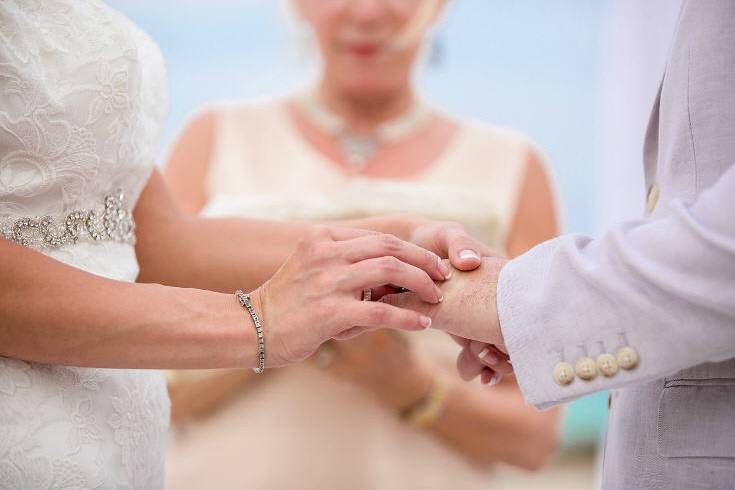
(317, 294)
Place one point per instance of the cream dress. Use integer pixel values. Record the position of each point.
(299, 427)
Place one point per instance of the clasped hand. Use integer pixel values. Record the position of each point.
(316, 295)
(468, 312)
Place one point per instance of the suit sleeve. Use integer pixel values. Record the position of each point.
(665, 287)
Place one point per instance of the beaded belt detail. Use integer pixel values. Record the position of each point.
(112, 222)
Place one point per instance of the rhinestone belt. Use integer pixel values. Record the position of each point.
(111, 222)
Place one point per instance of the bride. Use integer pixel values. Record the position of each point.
(83, 214)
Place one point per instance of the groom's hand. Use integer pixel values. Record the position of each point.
(484, 360)
(468, 309)
(469, 313)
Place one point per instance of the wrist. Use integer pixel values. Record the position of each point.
(252, 313)
(217, 327)
(416, 386)
(497, 302)
(426, 412)
(258, 301)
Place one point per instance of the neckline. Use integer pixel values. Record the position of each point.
(296, 137)
(393, 129)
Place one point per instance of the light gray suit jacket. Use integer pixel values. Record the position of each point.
(664, 286)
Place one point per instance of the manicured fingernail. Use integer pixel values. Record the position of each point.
(425, 321)
(484, 352)
(439, 295)
(445, 271)
(496, 379)
(469, 254)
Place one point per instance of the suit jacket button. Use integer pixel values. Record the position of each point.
(563, 373)
(652, 199)
(627, 357)
(586, 368)
(607, 364)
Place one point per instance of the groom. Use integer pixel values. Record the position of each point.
(647, 309)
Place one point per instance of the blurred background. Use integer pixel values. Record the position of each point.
(577, 76)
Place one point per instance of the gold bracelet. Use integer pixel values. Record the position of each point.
(427, 411)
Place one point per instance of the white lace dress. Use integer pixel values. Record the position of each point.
(82, 97)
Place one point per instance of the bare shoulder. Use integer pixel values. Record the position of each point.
(537, 173)
(196, 147)
(496, 134)
(500, 153)
(536, 214)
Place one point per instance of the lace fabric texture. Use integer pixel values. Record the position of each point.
(82, 98)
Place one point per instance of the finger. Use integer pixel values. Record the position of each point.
(350, 333)
(334, 233)
(491, 356)
(503, 368)
(465, 253)
(490, 377)
(461, 341)
(343, 233)
(487, 353)
(468, 365)
(321, 242)
(373, 246)
(408, 301)
(372, 273)
(381, 291)
(372, 315)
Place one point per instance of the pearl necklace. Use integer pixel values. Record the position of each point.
(358, 149)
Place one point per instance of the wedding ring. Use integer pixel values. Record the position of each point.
(367, 294)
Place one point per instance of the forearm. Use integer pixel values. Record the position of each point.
(179, 249)
(215, 254)
(228, 254)
(53, 313)
(400, 225)
(494, 426)
(663, 287)
(485, 426)
(198, 394)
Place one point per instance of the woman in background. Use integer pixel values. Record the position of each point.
(387, 407)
